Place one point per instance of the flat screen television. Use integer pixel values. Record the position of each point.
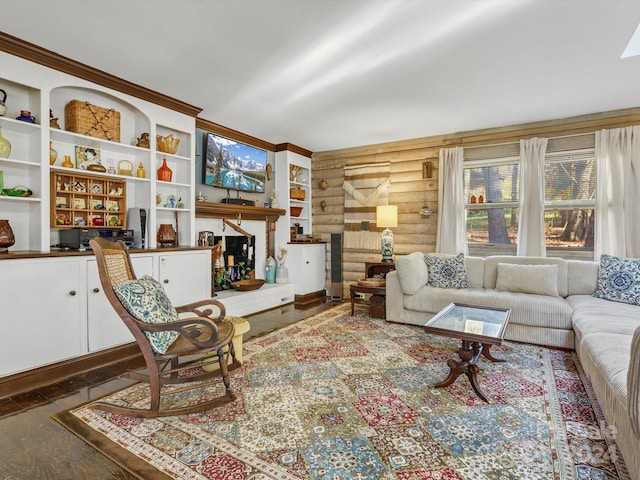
(234, 165)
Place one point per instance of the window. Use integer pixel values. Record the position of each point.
(570, 192)
(492, 193)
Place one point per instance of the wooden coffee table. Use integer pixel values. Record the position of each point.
(479, 328)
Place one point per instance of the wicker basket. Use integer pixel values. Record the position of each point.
(297, 193)
(87, 119)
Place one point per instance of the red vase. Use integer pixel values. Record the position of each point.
(6, 236)
(164, 172)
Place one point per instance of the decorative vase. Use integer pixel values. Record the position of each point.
(6, 236)
(53, 153)
(5, 146)
(67, 162)
(140, 173)
(282, 274)
(271, 270)
(164, 172)
(166, 235)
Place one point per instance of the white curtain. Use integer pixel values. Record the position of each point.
(618, 192)
(452, 220)
(531, 239)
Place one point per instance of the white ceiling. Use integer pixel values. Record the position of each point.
(330, 74)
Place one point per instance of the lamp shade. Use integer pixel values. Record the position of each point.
(387, 216)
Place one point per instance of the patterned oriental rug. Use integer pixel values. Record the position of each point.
(350, 397)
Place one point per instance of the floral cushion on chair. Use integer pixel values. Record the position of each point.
(446, 271)
(147, 301)
(619, 279)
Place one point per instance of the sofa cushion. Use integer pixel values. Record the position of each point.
(491, 268)
(619, 279)
(475, 271)
(538, 279)
(633, 383)
(146, 300)
(412, 272)
(594, 315)
(446, 271)
(610, 353)
(526, 309)
(582, 277)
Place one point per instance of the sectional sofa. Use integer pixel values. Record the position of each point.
(553, 304)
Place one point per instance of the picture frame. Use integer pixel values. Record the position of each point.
(96, 204)
(79, 204)
(86, 156)
(61, 202)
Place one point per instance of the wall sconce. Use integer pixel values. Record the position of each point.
(427, 169)
(425, 212)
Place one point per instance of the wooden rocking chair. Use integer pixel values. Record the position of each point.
(203, 336)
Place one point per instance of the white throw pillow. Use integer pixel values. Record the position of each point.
(412, 272)
(536, 279)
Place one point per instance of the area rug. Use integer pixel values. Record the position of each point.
(337, 396)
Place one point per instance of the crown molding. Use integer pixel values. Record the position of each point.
(42, 56)
(227, 132)
(281, 147)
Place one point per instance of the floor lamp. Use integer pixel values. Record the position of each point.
(387, 216)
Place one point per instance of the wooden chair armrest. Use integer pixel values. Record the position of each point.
(200, 331)
(203, 308)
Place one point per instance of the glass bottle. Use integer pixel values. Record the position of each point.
(140, 173)
(5, 146)
(473, 198)
(53, 153)
(164, 172)
(67, 162)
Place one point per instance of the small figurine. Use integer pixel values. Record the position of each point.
(143, 140)
(53, 121)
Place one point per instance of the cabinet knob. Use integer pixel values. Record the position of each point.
(96, 290)
(307, 262)
(72, 293)
(166, 280)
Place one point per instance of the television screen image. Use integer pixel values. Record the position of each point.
(235, 165)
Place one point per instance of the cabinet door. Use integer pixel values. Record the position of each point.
(186, 277)
(105, 328)
(41, 313)
(306, 267)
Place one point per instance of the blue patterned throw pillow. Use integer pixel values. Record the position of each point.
(619, 279)
(147, 301)
(446, 271)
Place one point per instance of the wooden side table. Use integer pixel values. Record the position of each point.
(377, 306)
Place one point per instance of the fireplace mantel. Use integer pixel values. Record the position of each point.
(246, 212)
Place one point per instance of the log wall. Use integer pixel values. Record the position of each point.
(409, 190)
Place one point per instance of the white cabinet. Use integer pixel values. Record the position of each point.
(33, 87)
(105, 329)
(185, 276)
(42, 320)
(293, 184)
(53, 308)
(306, 265)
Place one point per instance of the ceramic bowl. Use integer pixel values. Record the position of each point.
(167, 144)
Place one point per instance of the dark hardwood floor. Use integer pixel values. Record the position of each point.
(34, 446)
